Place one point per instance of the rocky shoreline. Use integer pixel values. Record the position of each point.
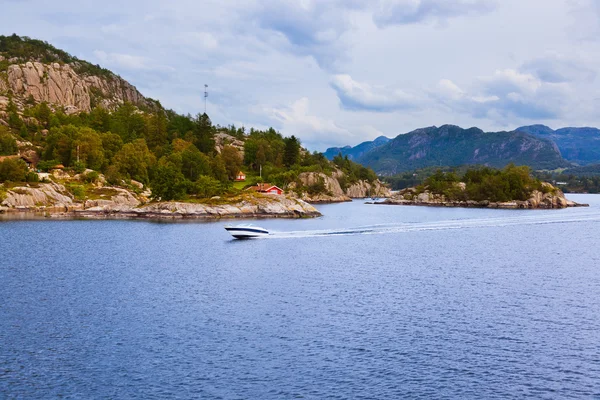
(52, 200)
(552, 199)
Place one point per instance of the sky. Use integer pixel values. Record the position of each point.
(340, 72)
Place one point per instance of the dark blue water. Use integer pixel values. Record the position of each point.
(366, 302)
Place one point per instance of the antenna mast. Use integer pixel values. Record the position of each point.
(205, 96)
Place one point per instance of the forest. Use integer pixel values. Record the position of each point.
(175, 155)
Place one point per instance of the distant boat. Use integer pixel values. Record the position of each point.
(246, 231)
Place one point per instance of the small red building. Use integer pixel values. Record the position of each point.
(240, 177)
(266, 188)
(273, 190)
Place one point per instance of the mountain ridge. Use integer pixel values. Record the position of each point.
(355, 152)
(452, 145)
(579, 145)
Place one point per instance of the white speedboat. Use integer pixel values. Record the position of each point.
(246, 231)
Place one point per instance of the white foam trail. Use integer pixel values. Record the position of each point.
(440, 225)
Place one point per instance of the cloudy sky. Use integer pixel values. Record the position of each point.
(336, 72)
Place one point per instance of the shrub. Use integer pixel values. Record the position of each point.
(207, 186)
(79, 167)
(13, 170)
(8, 144)
(91, 177)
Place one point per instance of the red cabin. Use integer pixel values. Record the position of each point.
(240, 177)
(273, 190)
(266, 188)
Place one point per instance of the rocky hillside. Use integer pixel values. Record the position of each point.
(331, 191)
(451, 145)
(33, 71)
(580, 146)
(354, 153)
(59, 111)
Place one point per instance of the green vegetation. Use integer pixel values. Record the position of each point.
(353, 172)
(575, 180)
(174, 155)
(15, 170)
(510, 183)
(8, 144)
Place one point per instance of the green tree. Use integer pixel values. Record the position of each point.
(13, 170)
(43, 114)
(134, 160)
(59, 144)
(206, 186)
(111, 143)
(203, 134)
(233, 161)
(128, 122)
(219, 169)
(156, 134)
(194, 163)
(88, 147)
(292, 151)
(99, 119)
(168, 183)
(8, 144)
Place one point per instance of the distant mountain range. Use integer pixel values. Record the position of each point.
(537, 146)
(580, 146)
(357, 151)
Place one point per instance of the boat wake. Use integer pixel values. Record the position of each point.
(438, 225)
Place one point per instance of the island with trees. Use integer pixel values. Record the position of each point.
(513, 187)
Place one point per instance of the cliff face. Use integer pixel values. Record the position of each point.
(334, 193)
(60, 85)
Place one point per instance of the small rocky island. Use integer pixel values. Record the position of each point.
(511, 188)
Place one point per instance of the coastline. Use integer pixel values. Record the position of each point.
(511, 205)
(255, 206)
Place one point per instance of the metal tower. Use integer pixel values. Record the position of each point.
(205, 96)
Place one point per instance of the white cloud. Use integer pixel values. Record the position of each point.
(557, 68)
(313, 130)
(128, 61)
(359, 96)
(401, 12)
(506, 95)
(450, 90)
(536, 60)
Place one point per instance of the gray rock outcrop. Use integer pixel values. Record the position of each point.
(61, 85)
(54, 200)
(334, 193)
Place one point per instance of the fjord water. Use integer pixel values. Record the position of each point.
(365, 302)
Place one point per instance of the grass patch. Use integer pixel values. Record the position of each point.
(95, 193)
(233, 198)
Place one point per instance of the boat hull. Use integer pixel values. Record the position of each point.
(246, 232)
